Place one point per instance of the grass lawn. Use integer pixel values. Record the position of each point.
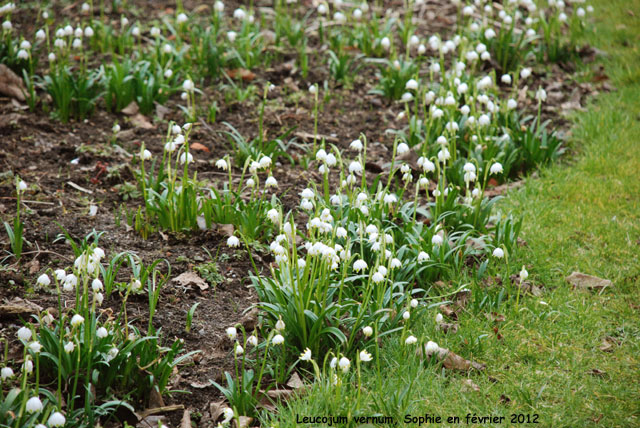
(544, 361)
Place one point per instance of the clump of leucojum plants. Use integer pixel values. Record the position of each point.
(175, 200)
(81, 365)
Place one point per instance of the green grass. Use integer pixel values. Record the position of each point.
(583, 215)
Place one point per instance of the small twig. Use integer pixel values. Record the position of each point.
(80, 188)
(31, 202)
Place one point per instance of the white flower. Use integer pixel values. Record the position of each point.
(76, 44)
(355, 167)
(34, 405)
(98, 297)
(113, 352)
(6, 373)
(227, 414)
(484, 83)
(402, 148)
(182, 18)
(218, 6)
(88, 32)
(414, 303)
(390, 199)
(436, 240)
(44, 280)
(356, 145)
(22, 54)
(70, 281)
(239, 350)
(422, 257)
(365, 356)
(6, 25)
(359, 265)
(239, 14)
(76, 320)
(385, 43)
(541, 95)
(280, 325)
(377, 277)
(252, 340)
(525, 72)
(306, 355)
(265, 162)
(24, 334)
(271, 182)
(344, 364)
(410, 340)
(512, 104)
(431, 347)
(232, 333)
(186, 157)
(101, 333)
(439, 318)
(322, 8)
(524, 274)
(406, 315)
(489, 34)
(56, 420)
(35, 346)
(277, 339)
(506, 79)
(69, 347)
(496, 168)
(469, 167)
(231, 36)
(188, 85)
(367, 331)
(411, 84)
(313, 89)
(222, 164)
(146, 155)
(60, 274)
(498, 253)
(27, 367)
(136, 285)
(51, 57)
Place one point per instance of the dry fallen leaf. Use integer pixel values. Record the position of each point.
(186, 420)
(448, 327)
(455, 362)
(187, 279)
(17, 307)
(141, 121)
(295, 382)
(10, 84)
(451, 360)
(216, 408)
(131, 109)
(469, 385)
(226, 229)
(155, 399)
(588, 282)
(609, 343)
(241, 73)
(243, 421)
(198, 146)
